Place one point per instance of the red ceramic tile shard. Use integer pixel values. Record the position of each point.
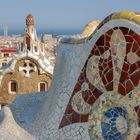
(128, 38)
(105, 65)
(90, 97)
(91, 87)
(106, 70)
(121, 89)
(110, 32)
(64, 122)
(69, 109)
(91, 100)
(135, 78)
(110, 64)
(133, 68)
(138, 52)
(109, 86)
(77, 87)
(137, 38)
(107, 47)
(135, 46)
(107, 44)
(101, 62)
(84, 118)
(104, 80)
(106, 61)
(85, 95)
(97, 93)
(82, 77)
(139, 122)
(128, 47)
(100, 41)
(124, 76)
(95, 51)
(129, 86)
(138, 64)
(100, 69)
(138, 137)
(76, 117)
(125, 67)
(124, 30)
(109, 75)
(107, 38)
(101, 49)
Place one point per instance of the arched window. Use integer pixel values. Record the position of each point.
(4, 64)
(28, 41)
(21, 47)
(42, 86)
(13, 87)
(35, 49)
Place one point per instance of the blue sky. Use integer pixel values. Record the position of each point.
(60, 14)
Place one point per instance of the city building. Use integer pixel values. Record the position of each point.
(29, 70)
(8, 46)
(6, 55)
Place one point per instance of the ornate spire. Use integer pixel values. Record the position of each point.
(29, 20)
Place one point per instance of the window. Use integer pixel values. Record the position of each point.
(43, 86)
(28, 41)
(35, 49)
(6, 55)
(12, 87)
(21, 47)
(4, 64)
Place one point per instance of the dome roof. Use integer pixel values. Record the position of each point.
(29, 20)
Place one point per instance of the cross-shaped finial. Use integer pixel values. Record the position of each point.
(28, 68)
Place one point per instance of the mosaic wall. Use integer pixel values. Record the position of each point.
(106, 95)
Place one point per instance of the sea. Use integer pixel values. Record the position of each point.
(42, 32)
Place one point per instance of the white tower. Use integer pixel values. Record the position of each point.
(5, 30)
(30, 25)
(31, 43)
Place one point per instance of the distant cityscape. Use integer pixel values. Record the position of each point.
(41, 31)
(11, 40)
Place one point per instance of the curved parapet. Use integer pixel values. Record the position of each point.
(95, 87)
(80, 38)
(106, 88)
